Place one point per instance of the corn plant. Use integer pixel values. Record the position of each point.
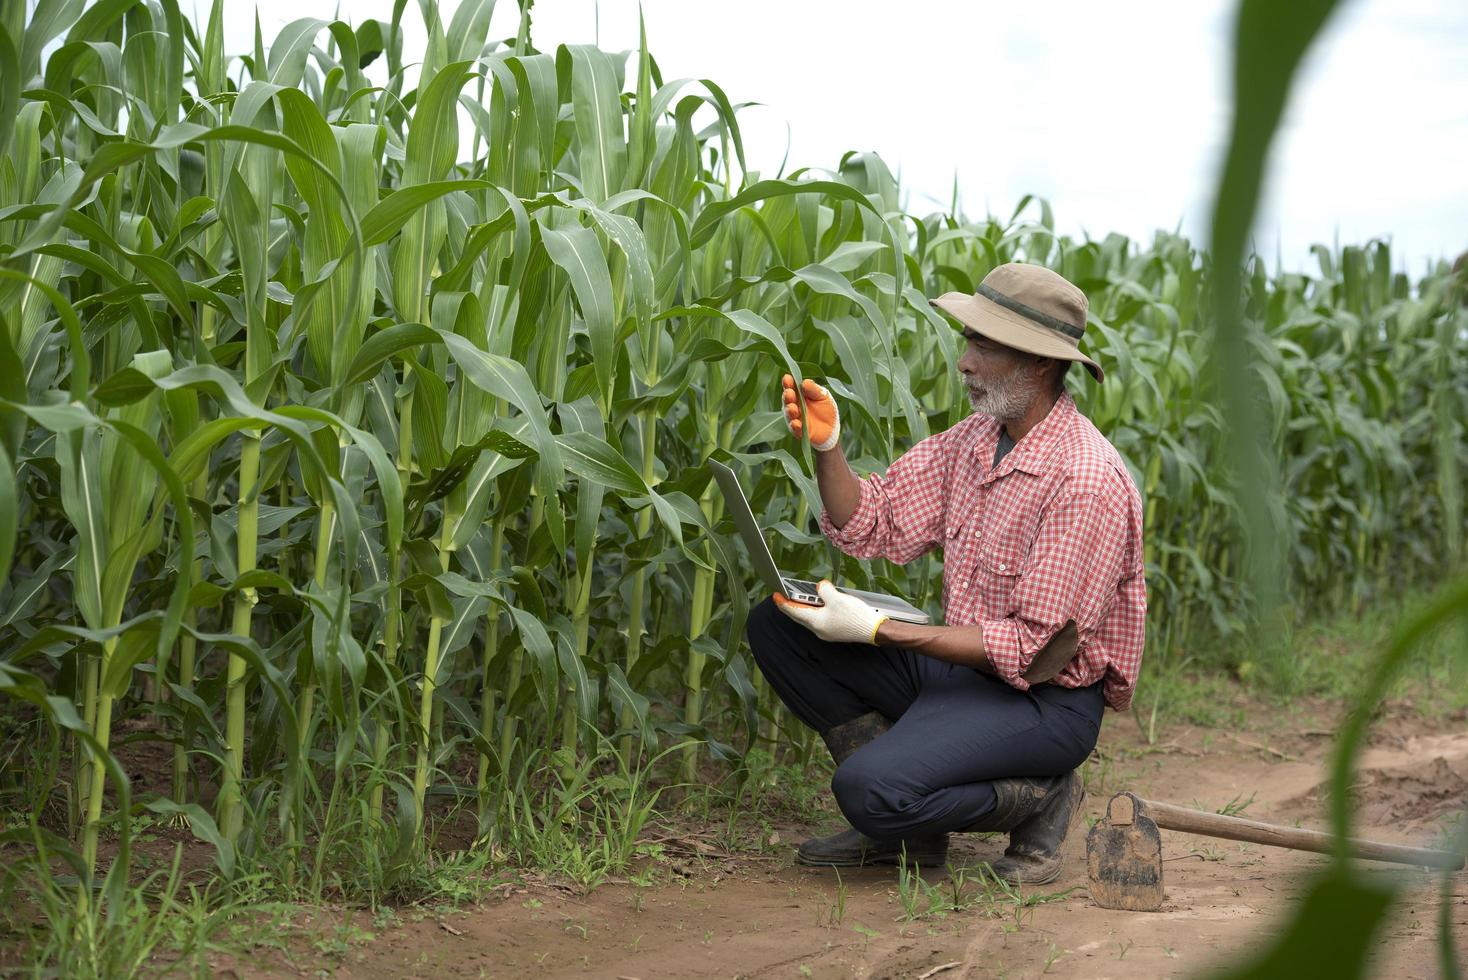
(356, 405)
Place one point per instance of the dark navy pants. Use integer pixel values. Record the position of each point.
(953, 728)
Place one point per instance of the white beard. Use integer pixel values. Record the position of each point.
(1007, 399)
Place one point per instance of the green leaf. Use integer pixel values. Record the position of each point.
(594, 459)
(578, 253)
(393, 211)
(710, 216)
(202, 825)
(507, 379)
(538, 642)
(596, 101)
(384, 344)
(9, 509)
(629, 703)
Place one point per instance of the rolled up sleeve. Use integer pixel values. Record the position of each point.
(900, 514)
(856, 534)
(1077, 565)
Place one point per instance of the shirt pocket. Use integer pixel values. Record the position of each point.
(997, 574)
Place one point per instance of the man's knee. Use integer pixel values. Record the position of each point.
(872, 802)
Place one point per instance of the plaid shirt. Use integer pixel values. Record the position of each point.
(1053, 533)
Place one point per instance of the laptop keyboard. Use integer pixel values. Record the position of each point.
(809, 588)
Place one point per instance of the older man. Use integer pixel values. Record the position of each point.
(947, 728)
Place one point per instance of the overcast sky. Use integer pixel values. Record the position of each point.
(1114, 112)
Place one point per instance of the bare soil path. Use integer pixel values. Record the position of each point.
(758, 915)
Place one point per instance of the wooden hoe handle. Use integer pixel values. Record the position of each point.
(1171, 817)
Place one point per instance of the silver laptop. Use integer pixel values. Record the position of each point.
(792, 586)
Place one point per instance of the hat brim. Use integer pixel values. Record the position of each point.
(1006, 327)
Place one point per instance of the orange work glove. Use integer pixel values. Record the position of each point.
(820, 414)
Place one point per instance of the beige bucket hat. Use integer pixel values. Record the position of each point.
(1026, 307)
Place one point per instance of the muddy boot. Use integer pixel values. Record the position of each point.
(1037, 812)
(851, 848)
(847, 737)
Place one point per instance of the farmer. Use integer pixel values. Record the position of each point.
(948, 728)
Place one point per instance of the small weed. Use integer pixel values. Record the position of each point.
(1052, 954)
(644, 877)
(1097, 773)
(838, 907)
(583, 827)
(914, 893)
(984, 891)
(921, 900)
(451, 878)
(341, 940)
(791, 789)
(1209, 852)
(123, 928)
(1235, 807)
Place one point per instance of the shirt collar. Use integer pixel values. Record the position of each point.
(1032, 453)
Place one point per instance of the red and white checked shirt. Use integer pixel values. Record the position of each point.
(1053, 533)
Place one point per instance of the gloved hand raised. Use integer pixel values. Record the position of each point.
(843, 618)
(821, 417)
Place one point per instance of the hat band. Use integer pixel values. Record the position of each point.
(1030, 313)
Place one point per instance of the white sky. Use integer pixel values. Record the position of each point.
(1114, 112)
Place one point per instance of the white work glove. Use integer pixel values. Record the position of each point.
(843, 618)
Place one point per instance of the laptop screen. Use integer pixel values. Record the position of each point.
(749, 530)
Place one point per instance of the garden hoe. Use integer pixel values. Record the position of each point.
(1124, 849)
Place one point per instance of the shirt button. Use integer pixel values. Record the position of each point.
(1003, 567)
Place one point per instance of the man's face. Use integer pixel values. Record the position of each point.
(1001, 381)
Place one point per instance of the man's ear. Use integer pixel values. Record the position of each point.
(1052, 368)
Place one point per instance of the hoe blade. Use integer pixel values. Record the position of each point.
(1124, 857)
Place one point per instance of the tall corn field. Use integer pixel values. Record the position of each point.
(355, 415)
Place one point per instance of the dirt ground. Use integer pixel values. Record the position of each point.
(756, 914)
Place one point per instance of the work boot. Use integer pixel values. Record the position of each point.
(844, 739)
(851, 848)
(1037, 812)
